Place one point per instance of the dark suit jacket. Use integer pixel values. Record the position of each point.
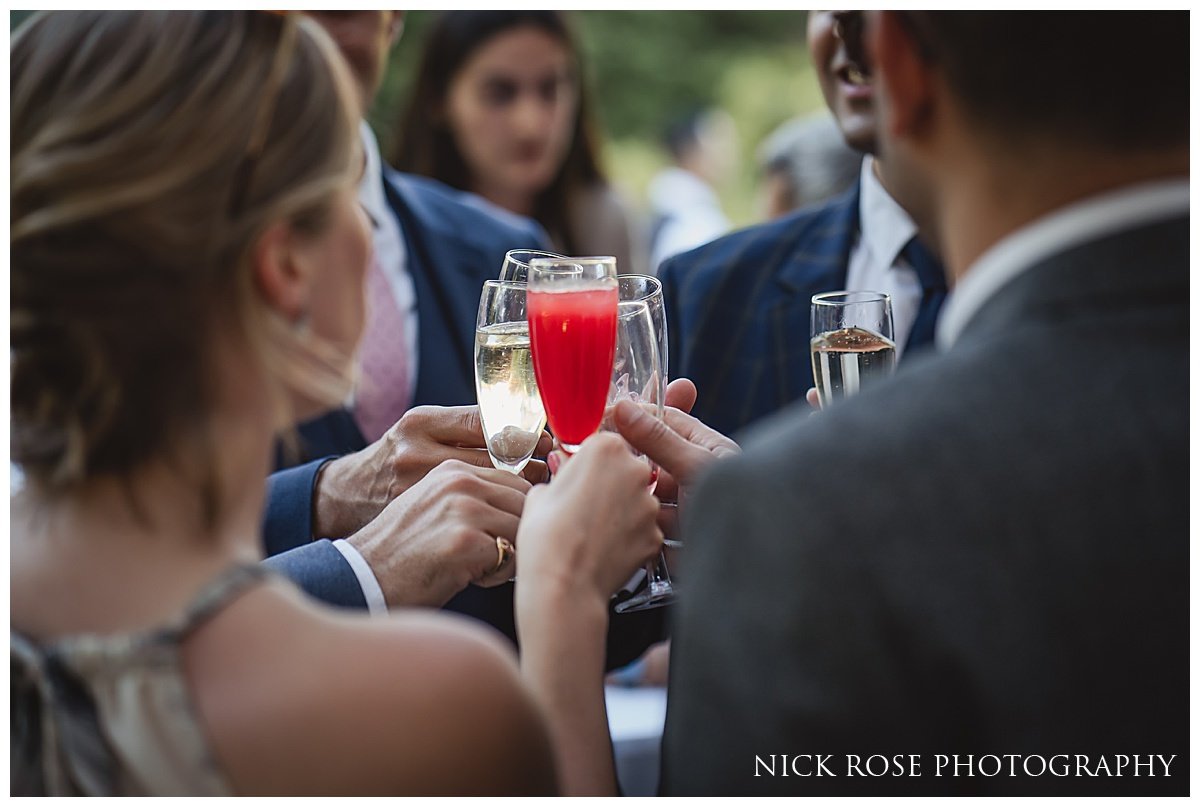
(999, 566)
(455, 241)
(738, 310)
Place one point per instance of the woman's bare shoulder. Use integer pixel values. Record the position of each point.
(299, 698)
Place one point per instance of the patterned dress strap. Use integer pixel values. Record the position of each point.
(224, 589)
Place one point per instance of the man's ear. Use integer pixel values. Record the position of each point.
(906, 80)
(279, 276)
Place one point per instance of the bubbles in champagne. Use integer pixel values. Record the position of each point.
(846, 360)
(509, 404)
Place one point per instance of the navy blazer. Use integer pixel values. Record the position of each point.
(455, 241)
(738, 310)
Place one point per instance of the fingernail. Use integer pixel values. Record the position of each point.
(552, 462)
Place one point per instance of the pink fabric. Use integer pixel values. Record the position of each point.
(383, 392)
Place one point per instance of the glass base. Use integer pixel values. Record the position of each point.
(501, 465)
(656, 595)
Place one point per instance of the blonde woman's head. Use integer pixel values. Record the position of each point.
(176, 177)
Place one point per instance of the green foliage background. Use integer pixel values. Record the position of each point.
(646, 67)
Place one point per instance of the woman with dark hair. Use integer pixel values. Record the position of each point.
(500, 108)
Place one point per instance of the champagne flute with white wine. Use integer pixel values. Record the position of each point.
(852, 342)
(510, 405)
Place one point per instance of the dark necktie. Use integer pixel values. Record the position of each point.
(933, 292)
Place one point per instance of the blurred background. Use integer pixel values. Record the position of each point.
(647, 68)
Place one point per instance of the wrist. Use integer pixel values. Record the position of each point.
(329, 519)
(558, 612)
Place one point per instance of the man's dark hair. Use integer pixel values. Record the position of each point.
(683, 132)
(1107, 79)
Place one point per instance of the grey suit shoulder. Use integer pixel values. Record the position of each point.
(985, 555)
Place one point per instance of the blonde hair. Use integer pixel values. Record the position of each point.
(129, 132)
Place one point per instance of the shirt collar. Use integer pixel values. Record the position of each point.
(1067, 227)
(884, 226)
(370, 187)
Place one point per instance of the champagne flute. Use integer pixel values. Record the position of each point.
(510, 407)
(572, 309)
(649, 289)
(852, 342)
(516, 263)
(638, 376)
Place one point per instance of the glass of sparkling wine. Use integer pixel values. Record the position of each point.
(572, 311)
(637, 376)
(516, 263)
(852, 342)
(509, 404)
(649, 289)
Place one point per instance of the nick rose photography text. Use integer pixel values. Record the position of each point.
(802, 765)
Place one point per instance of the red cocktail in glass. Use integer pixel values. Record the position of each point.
(572, 309)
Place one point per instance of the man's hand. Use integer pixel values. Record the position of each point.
(439, 536)
(681, 394)
(679, 444)
(352, 490)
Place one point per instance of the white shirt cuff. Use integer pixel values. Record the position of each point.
(372, 593)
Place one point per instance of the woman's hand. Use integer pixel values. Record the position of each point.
(589, 529)
(580, 538)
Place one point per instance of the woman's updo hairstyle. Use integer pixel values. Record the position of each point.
(149, 152)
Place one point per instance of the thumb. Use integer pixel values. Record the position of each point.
(657, 441)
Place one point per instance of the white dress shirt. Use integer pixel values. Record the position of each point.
(1065, 228)
(875, 262)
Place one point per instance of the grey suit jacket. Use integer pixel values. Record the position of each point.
(997, 566)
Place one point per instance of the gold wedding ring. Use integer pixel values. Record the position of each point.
(504, 553)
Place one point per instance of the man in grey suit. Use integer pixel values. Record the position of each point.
(985, 591)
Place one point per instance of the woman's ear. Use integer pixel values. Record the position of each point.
(279, 275)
